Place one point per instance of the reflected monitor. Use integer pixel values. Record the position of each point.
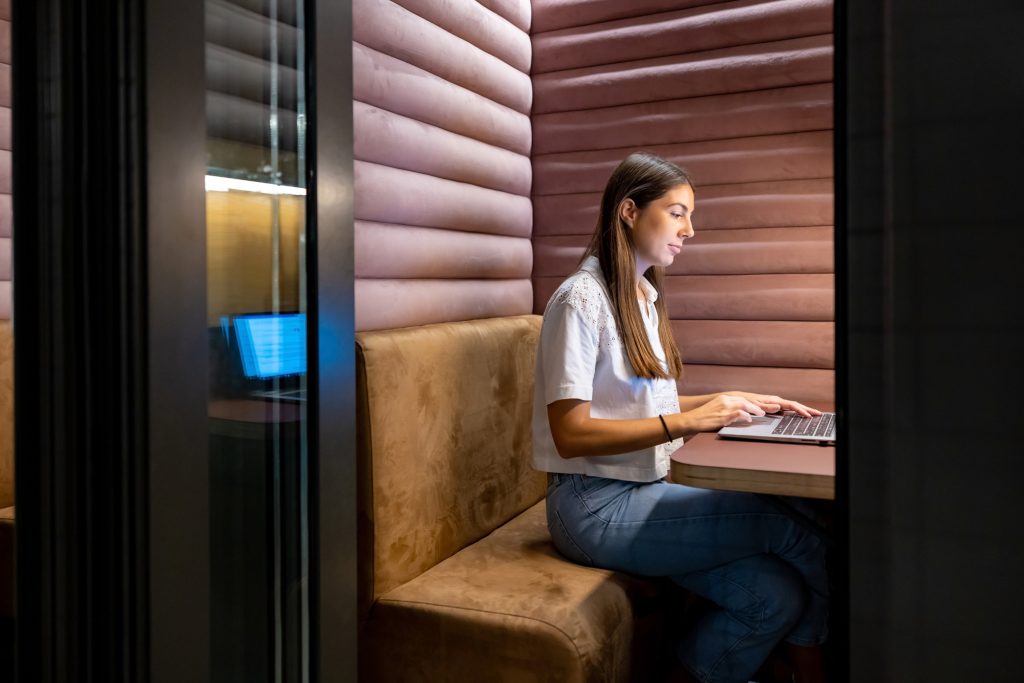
(272, 345)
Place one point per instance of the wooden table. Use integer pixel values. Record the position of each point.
(807, 470)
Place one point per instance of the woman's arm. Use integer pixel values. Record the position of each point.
(577, 434)
(768, 403)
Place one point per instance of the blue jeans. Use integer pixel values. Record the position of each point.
(763, 571)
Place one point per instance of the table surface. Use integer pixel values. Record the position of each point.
(785, 469)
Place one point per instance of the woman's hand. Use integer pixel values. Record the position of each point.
(720, 411)
(774, 404)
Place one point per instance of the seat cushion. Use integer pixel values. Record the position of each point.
(510, 608)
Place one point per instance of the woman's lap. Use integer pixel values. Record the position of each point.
(662, 529)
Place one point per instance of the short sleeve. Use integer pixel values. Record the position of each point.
(568, 346)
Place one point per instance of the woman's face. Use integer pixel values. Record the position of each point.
(660, 228)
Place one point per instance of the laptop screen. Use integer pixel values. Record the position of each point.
(272, 345)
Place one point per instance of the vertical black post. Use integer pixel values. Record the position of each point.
(112, 558)
(331, 275)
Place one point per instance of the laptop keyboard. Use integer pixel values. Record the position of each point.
(794, 425)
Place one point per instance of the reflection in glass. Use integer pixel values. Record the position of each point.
(256, 319)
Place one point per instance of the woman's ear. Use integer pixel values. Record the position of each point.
(628, 211)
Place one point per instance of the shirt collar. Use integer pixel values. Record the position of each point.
(592, 265)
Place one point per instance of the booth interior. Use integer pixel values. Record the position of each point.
(484, 133)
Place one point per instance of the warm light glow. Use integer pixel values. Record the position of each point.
(219, 184)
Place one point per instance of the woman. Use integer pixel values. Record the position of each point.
(607, 417)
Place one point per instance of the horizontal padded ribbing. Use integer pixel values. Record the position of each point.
(751, 297)
(517, 12)
(6, 214)
(736, 115)
(799, 61)
(477, 25)
(551, 15)
(5, 41)
(233, 73)
(713, 252)
(394, 140)
(739, 160)
(5, 258)
(384, 250)
(394, 30)
(391, 195)
(5, 171)
(383, 81)
(5, 85)
(5, 128)
(808, 297)
(384, 304)
(695, 29)
(247, 32)
(241, 120)
(744, 205)
(5, 299)
(798, 384)
(756, 342)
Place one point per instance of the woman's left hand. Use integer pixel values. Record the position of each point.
(775, 404)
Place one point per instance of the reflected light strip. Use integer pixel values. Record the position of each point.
(220, 184)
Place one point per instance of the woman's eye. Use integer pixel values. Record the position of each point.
(677, 215)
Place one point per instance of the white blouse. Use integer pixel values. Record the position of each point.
(581, 356)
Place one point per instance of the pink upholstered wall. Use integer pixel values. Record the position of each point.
(5, 159)
(442, 172)
(740, 93)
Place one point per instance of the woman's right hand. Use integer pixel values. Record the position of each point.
(720, 411)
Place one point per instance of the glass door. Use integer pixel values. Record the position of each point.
(257, 322)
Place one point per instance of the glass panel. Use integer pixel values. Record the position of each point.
(256, 318)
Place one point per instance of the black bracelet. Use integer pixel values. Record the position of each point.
(667, 433)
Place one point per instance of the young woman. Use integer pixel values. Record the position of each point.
(607, 417)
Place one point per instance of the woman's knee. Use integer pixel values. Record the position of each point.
(783, 596)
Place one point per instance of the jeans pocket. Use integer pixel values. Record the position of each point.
(564, 542)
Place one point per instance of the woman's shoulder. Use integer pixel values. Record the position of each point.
(585, 294)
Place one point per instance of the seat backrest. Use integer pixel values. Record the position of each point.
(444, 442)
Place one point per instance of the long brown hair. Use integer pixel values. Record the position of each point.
(642, 177)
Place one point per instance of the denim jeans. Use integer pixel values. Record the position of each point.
(763, 571)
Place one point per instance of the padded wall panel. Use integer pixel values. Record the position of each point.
(715, 117)
(389, 83)
(795, 156)
(756, 342)
(740, 94)
(800, 384)
(394, 140)
(478, 25)
(442, 172)
(400, 251)
(385, 304)
(780, 204)
(6, 217)
(391, 195)
(797, 61)
(714, 252)
(394, 30)
(682, 31)
(550, 15)
(751, 297)
(517, 12)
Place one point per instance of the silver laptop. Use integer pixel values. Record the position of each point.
(787, 427)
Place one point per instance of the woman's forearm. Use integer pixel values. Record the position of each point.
(692, 402)
(576, 434)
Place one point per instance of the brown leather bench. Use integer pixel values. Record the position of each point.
(459, 580)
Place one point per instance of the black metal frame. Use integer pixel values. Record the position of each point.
(331, 274)
(112, 561)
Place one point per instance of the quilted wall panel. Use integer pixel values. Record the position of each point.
(6, 218)
(739, 93)
(442, 168)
